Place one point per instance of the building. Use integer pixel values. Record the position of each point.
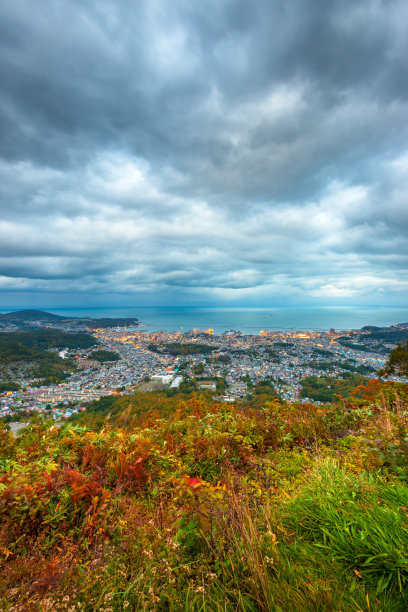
(176, 382)
(163, 378)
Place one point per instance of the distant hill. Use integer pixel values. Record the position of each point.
(25, 317)
(106, 322)
(31, 315)
(376, 339)
(387, 328)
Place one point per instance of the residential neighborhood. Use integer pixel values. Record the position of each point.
(227, 364)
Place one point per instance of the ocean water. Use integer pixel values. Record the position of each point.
(248, 320)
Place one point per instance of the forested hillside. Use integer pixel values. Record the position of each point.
(49, 338)
(26, 353)
(18, 359)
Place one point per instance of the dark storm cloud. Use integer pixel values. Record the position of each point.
(243, 149)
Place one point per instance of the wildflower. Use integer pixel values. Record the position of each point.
(200, 589)
(268, 560)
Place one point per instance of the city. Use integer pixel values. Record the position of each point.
(228, 365)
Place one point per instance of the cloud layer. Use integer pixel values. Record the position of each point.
(178, 152)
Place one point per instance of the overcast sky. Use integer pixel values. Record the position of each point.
(212, 152)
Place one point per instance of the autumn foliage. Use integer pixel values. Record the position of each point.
(173, 504)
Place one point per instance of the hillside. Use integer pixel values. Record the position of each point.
(376, 339)
(180, 503)
(30, 315)
(48, 338)
(18, 361)
(25, 354)
(25, 318)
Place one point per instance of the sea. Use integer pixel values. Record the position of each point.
(248, 320)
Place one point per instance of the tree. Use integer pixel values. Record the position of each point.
(397, 362)
(199, 369)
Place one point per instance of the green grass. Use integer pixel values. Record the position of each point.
(358, 520)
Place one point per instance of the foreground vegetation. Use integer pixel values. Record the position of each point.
(180, 503)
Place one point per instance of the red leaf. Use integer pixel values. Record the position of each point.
(193, 482)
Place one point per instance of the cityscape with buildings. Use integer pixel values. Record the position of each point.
(228, 365)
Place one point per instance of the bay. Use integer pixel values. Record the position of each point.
(249, 320)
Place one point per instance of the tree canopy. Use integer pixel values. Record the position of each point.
(397, 362)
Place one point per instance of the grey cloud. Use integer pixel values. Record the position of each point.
(203, 146)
